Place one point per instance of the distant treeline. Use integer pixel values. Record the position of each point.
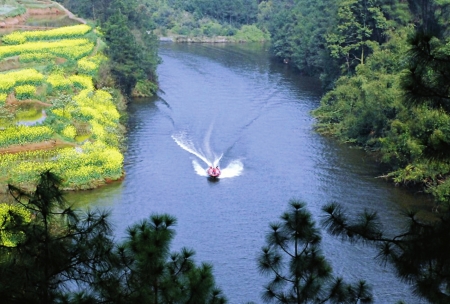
(176, 17)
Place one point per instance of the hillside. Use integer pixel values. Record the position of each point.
(58, 110)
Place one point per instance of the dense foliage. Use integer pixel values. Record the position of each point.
(329, 38)
(231, 11)
(52, 253)
(385, 66)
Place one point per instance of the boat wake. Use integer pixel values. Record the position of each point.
(209, 158)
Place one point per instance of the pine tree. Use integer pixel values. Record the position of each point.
(123, 52)
(59, 247)
(420, 254)
(146, 272)
(299, 271)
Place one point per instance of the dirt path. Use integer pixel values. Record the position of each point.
(70, 14)
(44, 145)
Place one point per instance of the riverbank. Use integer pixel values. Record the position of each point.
(205, 39)
(200, 39)
(247, 33)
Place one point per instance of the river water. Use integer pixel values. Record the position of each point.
(234, 101)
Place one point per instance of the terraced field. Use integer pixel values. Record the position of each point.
(54, 114)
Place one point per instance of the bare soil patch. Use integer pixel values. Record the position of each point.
(12, 101)
(17, 22)
(44, 145)
(10, 63)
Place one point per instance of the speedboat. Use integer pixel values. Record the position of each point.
(213, 172)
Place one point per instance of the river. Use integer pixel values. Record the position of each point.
(233, 100)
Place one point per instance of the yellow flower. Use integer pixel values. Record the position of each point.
(69, 132)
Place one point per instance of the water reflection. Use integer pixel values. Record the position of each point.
(33, 121)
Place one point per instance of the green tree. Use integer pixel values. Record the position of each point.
(299, 271)
(419, 253)
(146, 272)
(362, 107)
(298, 30)
(123, 51)
(360, 26)
(281, 28)
(431, 16)
(57, 249)
(230, 11)
(426, 80)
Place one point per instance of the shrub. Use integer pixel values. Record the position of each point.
(211, 29)
(82, 81)
(6, 84)
(69, 132)
(3, 98)
(36, 57)
(251, 33)
(9, 239)
(22, 135)
(71, 49)
(58, 33)
(25, 91)
(90, 65)
(59, 82)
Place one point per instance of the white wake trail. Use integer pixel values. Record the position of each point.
(187, 145)
(233, 169)
(199, 169)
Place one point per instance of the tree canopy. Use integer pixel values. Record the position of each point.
(391, 95)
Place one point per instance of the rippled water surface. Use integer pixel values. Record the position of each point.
(234, 101)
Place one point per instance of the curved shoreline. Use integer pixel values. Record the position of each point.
(201, 39)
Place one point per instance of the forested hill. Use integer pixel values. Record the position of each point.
(386, 66)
